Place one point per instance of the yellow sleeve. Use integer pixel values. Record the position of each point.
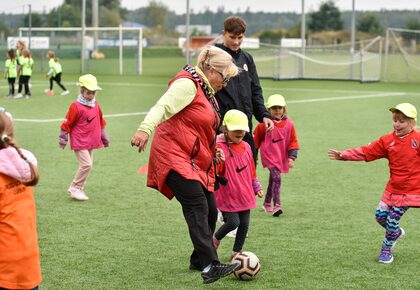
(179, 95)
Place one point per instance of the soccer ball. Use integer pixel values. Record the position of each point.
(250, 266)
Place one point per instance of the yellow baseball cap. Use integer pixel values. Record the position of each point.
(89, 81)
(407, 109)
(236, 120)
(276, 100)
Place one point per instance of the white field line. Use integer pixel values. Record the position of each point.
(290, 102)
(59, 120)
(347, 98)
(324, 90)
(71, 84)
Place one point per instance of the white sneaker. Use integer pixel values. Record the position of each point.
(46, 90)
(232, 234)
(77, 193)
(18, 96)
(65, 93)
(220, 217)
(399, 238)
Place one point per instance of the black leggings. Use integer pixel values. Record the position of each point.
(57, 79)
(200, 213)
(11, 82)
(235, 220)
(24, 81)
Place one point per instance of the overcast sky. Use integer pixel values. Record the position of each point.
(179, 6)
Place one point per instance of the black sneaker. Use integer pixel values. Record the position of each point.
(218, 271)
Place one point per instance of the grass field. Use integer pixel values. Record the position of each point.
(128, 236)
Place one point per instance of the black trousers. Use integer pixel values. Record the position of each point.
(24, 81)
(57, 79)
(232, 221)
(11, 82)
(200, 213)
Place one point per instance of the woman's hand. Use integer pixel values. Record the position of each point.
(269, 124)
(140, 139)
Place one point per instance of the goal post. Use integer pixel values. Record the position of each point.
(402, 55)
(119, 50)
(334, 62)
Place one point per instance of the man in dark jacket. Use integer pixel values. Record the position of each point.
(243, 92)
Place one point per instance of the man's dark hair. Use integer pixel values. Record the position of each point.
(235, 25)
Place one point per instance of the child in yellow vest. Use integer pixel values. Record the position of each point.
(54, 74)
(10, 71)
(25, 70)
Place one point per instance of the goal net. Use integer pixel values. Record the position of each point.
(335, 62)
(104, 50)
(402, 55)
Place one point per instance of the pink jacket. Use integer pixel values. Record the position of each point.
(11, 164)
(239, 192)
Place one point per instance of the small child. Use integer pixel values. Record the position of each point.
(19, 252)
(54, 74)
(25, 70)
(236, 196)
(402, 149)
(278, 150)
(10, 71)
(85, 124)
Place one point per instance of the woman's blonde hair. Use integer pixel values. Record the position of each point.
(212, 56)
(6, 140)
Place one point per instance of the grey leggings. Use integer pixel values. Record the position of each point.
(235, 220)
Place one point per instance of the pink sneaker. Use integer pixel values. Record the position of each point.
(267, 207)
(77, 193)
(50, 93)
(216, 243)
(277, 210)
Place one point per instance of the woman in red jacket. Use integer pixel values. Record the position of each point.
(181, 159)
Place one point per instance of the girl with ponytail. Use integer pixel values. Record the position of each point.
(19, 251)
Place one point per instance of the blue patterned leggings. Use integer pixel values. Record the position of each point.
(389, 218)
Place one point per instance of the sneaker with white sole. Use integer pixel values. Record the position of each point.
(402, 234)
(18, 96)
(66, 92)
(232, 234)
(77, 193)
(386, 256)
(217, 271)
(220, 217)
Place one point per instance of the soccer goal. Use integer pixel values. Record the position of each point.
(105, 50)
(334, 62)
(402, 55)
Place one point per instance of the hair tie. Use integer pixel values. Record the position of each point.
(4, 138)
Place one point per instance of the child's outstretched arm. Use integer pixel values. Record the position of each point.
(334, 154)
(355, 154)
